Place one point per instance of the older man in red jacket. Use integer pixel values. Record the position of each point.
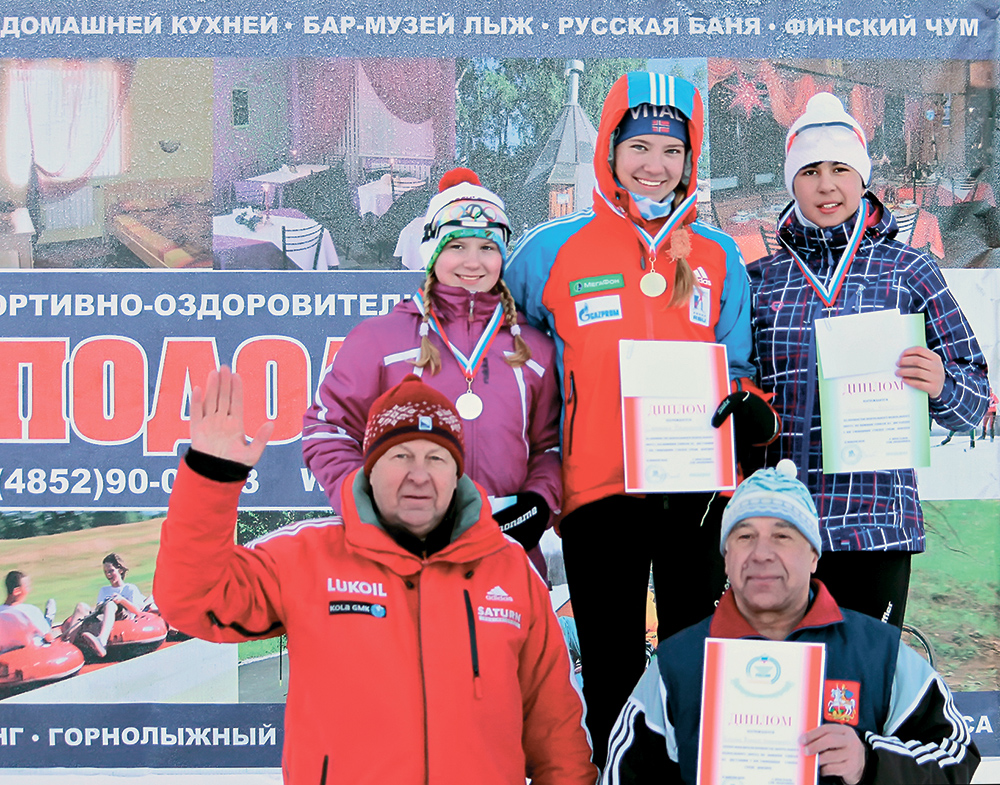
(422, 644)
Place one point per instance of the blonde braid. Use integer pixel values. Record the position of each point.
(430, 357)
(680, 246)
(680, 249)
(522, 352)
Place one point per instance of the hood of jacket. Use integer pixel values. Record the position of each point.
(812, 242)
(475, 535)
(628, 92)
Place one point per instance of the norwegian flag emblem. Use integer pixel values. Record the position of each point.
(661, 126)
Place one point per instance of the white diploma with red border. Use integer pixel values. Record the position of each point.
(758, 697)
(670, 390)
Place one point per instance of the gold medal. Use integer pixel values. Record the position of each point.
(469, 406)
(652, 284)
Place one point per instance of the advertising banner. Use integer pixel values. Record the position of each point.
(97, 382)
(185, 185)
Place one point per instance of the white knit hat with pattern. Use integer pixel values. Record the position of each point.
(774, 493)
(825, 132)
(463, 208)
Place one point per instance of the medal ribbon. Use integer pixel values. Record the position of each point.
(675, 218)
(470, 365)
(645, 237)
(671, 222)
(829, 295)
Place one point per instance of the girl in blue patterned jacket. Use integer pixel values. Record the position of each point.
(839, 256)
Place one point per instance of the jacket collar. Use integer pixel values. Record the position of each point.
(451, 303)
(728, 622)
(474, 533)
(812, 242)
(437, 539)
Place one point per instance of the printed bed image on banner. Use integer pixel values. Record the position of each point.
(184, 186)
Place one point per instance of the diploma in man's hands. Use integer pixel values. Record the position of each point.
(758, 697)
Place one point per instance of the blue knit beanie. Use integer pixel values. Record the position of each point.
(775, 493)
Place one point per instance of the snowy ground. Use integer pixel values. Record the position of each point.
(959, 471)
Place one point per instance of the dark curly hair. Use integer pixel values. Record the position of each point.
(116, 561)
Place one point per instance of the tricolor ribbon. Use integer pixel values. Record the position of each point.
(470, 365)
(829, 294)
(652, 242)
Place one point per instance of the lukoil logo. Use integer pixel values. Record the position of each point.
(355, 587)
(598, 309)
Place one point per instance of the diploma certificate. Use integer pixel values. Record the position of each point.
(758, 697)
(670, 390)
(870, 419)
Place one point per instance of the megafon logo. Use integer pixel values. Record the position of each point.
(598, 309)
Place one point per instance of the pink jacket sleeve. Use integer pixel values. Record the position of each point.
(205, 584)
(544, 462)
(334, 426)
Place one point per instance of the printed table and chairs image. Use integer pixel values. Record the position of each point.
(283, 239)
(750, 221)
(299, 243)
(266, 189)
(919, 228)
(906, 222)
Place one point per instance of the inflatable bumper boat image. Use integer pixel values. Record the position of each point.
(131, 636)
(32, 666)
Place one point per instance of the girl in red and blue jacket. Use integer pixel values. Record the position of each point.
(639, 265)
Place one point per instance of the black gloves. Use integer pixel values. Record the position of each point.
(754, 423)
(525, 520)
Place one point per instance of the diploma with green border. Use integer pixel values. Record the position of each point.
(870, 419)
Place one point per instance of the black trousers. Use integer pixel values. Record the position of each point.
(607, 547)
(874, 583)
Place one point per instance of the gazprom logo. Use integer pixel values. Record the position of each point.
(598, 309)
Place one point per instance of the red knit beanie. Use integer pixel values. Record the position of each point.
(412, 410)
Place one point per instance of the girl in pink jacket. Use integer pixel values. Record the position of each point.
(462, 334)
